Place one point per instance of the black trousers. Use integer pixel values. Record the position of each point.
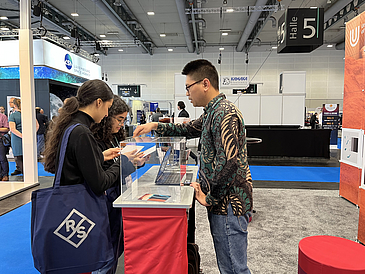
(4, 164)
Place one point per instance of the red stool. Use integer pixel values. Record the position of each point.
(330, 255)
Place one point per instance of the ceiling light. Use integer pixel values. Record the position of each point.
(96, 54)
(4, 28)
(112, 32)
(225, 30)
(162, 34)
(329, 46)
(313, 8)
(66, 37)
(3, 18)
(102, 35)
(224, 33)
(117, 3)
(170, 49)
(221, 48)
(274, 47)
(150, 13)
(329, 2)
(229, 10)
(74, 14)
(120, 49)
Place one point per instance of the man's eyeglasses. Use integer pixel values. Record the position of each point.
(120, 121)
(189, 86)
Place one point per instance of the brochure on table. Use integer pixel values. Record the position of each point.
(169, 155)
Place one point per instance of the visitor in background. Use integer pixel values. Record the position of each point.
(42, 121)
(4, 164)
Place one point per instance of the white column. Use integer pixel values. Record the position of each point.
(27, 94)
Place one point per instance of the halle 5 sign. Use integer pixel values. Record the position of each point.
(300, 30)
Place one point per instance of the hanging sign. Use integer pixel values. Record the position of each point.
(229, 81)
(300, 30)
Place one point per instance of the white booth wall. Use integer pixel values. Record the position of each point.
(324, 72)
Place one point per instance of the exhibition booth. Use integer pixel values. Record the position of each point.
(57, 75)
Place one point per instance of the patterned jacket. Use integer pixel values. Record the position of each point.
(224, 174)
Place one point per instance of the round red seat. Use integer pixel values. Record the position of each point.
(330, 255)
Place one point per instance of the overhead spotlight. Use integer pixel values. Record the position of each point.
(3, 18)
(219, 58)
(150, 13)
(225, 2)
(95, 59)
(117, 3)
(97, 45)
(77, 50)
(37, 10)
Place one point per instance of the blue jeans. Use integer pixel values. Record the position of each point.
(229, 234)
(40, 144)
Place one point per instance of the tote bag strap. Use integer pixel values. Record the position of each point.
(64, 142)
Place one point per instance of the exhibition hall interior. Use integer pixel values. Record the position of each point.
(293, 68)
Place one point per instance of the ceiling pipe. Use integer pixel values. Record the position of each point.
(119, 23)
(180, 4)
(199, 20)
(250, 25)
(194, 30)
(336, 7)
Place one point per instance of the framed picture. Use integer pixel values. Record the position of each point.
(352, 147)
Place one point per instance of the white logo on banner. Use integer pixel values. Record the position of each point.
(75, 228)
(354, 36)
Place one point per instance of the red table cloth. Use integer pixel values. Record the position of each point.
(330, 255)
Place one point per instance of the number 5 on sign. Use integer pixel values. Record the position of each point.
(307, 26)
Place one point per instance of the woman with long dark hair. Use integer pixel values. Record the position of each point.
(108, 134)
(83, 159)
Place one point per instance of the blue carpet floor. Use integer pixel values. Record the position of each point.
(260, 173)
(15, 225)
(15, 251)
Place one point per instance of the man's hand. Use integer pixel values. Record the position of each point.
(130, 154)
(146, 128)
(111, 153)
(199, 194)
(140, 159)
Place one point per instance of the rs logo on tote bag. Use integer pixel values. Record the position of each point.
(75, 228)
(70, 230)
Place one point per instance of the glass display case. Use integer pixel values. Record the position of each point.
(160, 180)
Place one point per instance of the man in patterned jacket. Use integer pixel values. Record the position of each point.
(225, 180)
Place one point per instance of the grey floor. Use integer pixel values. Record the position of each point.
(286, 212)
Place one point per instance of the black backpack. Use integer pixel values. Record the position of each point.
(193, 259)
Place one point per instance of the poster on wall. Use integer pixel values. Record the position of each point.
(330, 114)
(352, 147)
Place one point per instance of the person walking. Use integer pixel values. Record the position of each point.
(225, 186)
(42, 121)
(4, 164)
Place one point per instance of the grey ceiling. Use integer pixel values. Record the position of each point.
(94, 21)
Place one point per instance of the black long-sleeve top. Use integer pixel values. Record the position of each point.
(84, 159)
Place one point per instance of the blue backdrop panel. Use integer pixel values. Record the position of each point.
(295, 173)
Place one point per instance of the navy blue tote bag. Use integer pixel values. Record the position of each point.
(70, 230)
